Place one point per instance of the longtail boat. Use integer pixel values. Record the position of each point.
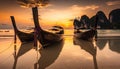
(24, 37)
(87, 35)
(46, 37)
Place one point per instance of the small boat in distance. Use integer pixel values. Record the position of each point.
(24, 37)
(46, 37)
(1, 30)
(6, 30)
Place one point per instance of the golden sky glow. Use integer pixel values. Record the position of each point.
(59, 12)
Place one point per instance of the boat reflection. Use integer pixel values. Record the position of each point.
(24, 48)
(89, 47)
(48, 55)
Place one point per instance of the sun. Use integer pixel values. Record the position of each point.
(67, 25)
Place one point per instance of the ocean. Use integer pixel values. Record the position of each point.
(68, 32)
(71, 53)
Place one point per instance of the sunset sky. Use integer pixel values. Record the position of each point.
(58, 12)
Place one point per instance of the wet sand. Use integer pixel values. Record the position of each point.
(68, 54)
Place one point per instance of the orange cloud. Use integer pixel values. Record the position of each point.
(92, 7)
(110, 3)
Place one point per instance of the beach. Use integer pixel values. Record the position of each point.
(70, 53)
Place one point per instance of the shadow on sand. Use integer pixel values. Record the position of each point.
(49, 55)
(24, 48)
(88, 46)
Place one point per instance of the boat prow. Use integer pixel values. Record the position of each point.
(24, 37)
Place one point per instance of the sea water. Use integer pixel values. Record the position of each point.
(65, 55)
(70, 32)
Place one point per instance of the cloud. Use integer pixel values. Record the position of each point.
(33, 3)
(66, 13)
(110, 3)
(90, 7)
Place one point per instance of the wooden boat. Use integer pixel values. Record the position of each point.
(6, 30)
(24, 37)
(46, 37)
(87, 35)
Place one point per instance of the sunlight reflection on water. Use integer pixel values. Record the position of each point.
(68, 55)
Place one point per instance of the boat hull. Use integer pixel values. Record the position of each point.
(87, 35)
(46, 38)
(25, 37)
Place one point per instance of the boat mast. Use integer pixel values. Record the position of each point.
(14, 23)
(35, 18)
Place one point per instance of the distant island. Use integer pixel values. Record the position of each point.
(113, 21)
(9, 26)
